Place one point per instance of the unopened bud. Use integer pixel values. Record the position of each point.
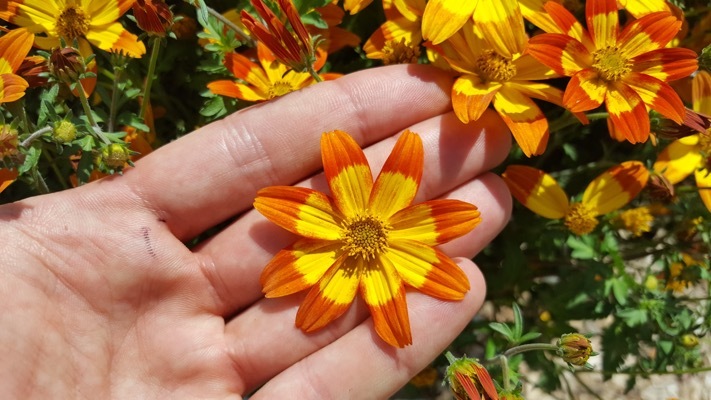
(469, 380)
(66, 64)
(64, 131)
(689, 341)
(575, 348)
(115, 156)
(8, 141)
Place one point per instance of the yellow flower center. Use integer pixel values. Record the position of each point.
(365, 236)
(400, 52)
(580, 219)
(492, 66)
(72, 23)
(610, 64)
(280, 88)
(637, 220)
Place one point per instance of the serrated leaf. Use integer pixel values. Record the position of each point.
(31, 158)
(582, 249)
(633, 317)
(85, 167)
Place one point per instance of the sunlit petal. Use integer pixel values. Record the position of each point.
(384, 293)
(628, 113)
(536, 190)
(679, 159)
(471, 96)
(347, 172)
(524, 118)
(616, 187)
(434, 222)
(444, 17)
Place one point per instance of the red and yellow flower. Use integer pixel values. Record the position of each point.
(91, 20)
(540, 193)
(469, 380)
(626, 70)
(14, 47)
(489, 56)
(366, 237)
(263, 81)
(691, 154)
(398, 40)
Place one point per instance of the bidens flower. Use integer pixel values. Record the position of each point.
(627, 70)
(366, 237)
(540, 193)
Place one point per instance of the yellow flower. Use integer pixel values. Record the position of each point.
(265, 81)
(398, 40)
(691, 154)
(488, 53)
(366, 237)
(611, 190)
(91, 20)
(636, 220)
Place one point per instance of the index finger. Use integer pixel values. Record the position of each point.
(215, 172)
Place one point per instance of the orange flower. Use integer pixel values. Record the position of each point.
(626, 70)
(265, 81)
(540, 193)
(367, 237)
(691, 154)
(294, 50)
(398, 39)
(489, 55)
(14, 47)
(469, 380)
(91, 20)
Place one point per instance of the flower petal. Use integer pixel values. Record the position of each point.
(332, 296)
(236, 91)
(14, 47)
(355, 6)
(303, 211)
(106, 12)
(427, 269)
(298, 267)
(568, 25)
(679, 159)
(616, 187)
(471, 96)
(603, 22)
(533, 11)
(434, 222)
(657, 95)
(243, 68)
(667, 64)
(640, 8)
(585, 91)
(444, 17)
(347, 172)
(628, 115)
(528, 68)
(701, 92)
(526, 121)
(648, 33)
(12, 87)
(7, 176)
(114, 37)
(384, 293)
(536, 190)
(501, 24)
(564, 54)
(398, 181)
(703, 182)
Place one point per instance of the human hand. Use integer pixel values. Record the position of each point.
(103, 300)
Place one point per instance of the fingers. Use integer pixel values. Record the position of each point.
(214, 173)
(454, 153)
(268, 326)
(362, 366)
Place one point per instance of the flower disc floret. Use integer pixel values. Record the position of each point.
(280, 88)
(400, 52)
(580, 219)
(492, 66)
(365, 236)
(610, 64)
(72, 23)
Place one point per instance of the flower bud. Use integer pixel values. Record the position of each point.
(510, 395)
(115, 156)
(689, 340)
(470, 380)
(574, 348)
(153, 16)
(651, 283)
(66, 64)
(660, 189)
(64, 131)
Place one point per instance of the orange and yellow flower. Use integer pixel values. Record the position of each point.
(540, 193)
(265, 81)
(489, 56)
(626, 70)
(398, 40)
(14, 47)
(691, 154)
(91, 20)
(469, 380)
(366, 237)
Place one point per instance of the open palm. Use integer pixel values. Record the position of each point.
(102, 298)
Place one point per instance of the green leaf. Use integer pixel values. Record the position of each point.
(619, 290)
(314, 18)
(582, 247)
(633, 317)
(666, 346)
(518, 321)
(31, 158)
(529, 336)
(503, 329)
(213, 107)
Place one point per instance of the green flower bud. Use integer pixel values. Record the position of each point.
(689, 341)
(575, 348)
(115, 156)
(64, 131)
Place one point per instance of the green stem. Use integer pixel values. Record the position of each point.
(55, 169)
(245, 37)
(113, 107)
(89, 116)
(645, 373)
(450, 357)
(313, 73)
(504, 361)
(529, 347)
(598, 115)
(35, 135)
(41, 185)
(155, 49)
